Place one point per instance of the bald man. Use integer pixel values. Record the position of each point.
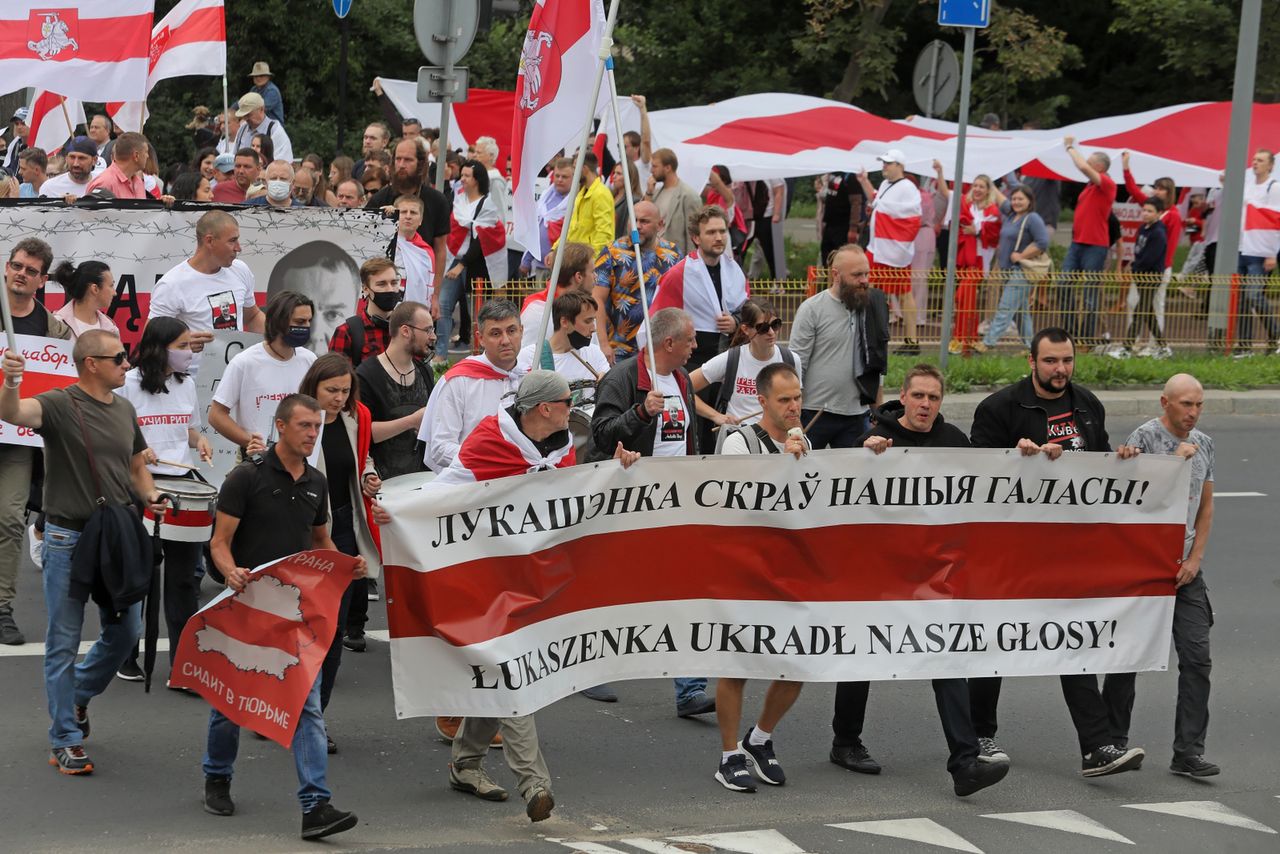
(617, 288)
(1175, 432)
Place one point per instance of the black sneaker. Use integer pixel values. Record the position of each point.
(734, 776)
(71, 760)
(354, 642)
(855, 758)
(82, 720)
(700, 703)
(329, 746)
(763, 760)
(978, 776)
(130, 671)
(989, 751)
(373, 590)
(1194, 766)
(217, 796)
(1110, 759)
(9, 632)
(326, 820)
(910, 347)
(602, 693)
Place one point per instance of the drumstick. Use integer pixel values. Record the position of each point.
(575, 355)
(814, 418)
(740, 420)
(175, 465)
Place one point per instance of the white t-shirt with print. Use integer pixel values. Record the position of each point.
(673, 421)
(164, 419)
(204, 301)
(743, 401)
(255, 382)
(567, 366)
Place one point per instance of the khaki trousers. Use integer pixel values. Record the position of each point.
(519, 745)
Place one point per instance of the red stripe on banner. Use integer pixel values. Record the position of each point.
(904, 228)
(1261, 219)
(202, 25)
(475, 601)
(112, 39)
(492, 237)
(840, 128)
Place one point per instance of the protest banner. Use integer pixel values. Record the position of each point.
(254, 655)
(506, 595)
(49, 366)
(1130, 216)
(315, 251)
(217, 354)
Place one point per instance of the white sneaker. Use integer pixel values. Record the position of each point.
(36, 546)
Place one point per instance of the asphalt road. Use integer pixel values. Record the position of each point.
(632, 777)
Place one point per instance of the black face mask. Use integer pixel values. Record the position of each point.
(577, 340)
(387, 300)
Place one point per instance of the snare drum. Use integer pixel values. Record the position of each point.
(580, 428)
(407, 482)
(189, 518)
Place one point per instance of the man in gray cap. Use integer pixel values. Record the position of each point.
(531, 435)
(81, 156)
(253, 111)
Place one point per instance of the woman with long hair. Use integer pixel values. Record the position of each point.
(621, 216)
(1023, 236)
(753, 346)
(976, 244)
(265, 147)
(192, 187)
(344, 459)
(472, 209)
(203, 162)
(320, 193)
(164, 394)
(339, 170)
(89, 288)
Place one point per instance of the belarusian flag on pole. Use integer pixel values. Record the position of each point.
(557, 66)
(53, 120)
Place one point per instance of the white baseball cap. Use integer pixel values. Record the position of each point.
(893, 155)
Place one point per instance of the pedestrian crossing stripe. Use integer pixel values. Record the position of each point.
(914, 829)
(1068, 821)
(1204, 811)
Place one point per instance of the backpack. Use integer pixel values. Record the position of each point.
(758, 441)
(731, 373)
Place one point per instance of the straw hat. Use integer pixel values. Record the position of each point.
(260, 69)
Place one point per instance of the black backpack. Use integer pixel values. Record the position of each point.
(731, 373)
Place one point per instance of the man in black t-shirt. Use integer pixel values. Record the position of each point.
(1046, 413)
(270, 507)
(843, 206)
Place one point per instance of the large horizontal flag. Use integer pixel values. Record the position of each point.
(93, 50)
(506, 595)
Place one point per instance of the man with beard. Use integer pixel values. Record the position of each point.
(842, 334)
(409, 178)
(1046, 413)
(81, 155)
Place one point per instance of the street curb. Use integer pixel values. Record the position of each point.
(960, 407)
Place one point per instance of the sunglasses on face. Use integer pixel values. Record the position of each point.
(764, 328)
(118, 358)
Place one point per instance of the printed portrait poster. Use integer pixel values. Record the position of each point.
(254, 655)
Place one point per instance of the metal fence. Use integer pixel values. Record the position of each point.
(1098, 308)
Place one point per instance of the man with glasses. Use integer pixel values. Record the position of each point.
(24, 274)
(64, 418)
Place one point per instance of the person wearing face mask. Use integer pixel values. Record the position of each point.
(164, 395)
(576, 357)
(259, 377)
(89, 289)
(279, 176)
(123, 178)
(753, 347)
(365, 334)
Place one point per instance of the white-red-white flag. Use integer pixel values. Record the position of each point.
(53, 120)
(553, 90)
(88, 49)
(191, 39)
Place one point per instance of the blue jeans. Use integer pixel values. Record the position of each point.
(310, 755)
(834, 431)
(1253, 297)
(450, 293)
(688, 686)
(66, 683)
(1015, 298)
(1082, 258)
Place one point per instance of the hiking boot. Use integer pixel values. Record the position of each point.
(989, 751)
(130, 671)
(9, 633)
(217, 796)
(733, 774)
(1194, 766)
(540, 805)
(71, 760)
(1109, 759)
(474, 781)
(447, 727)
(763, 760)
(978, 776)
(326, 820)
(855, 758)
(82, 720)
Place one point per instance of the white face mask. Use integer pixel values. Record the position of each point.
(278, 190)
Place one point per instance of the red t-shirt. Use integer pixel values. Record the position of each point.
(1092, 211)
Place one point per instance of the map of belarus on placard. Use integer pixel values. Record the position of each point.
(256, 640)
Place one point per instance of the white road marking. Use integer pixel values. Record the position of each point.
(588, 847)
(924, 830)
(1205, 811)
(1239, 495)
(1068, 821)
(37, 649)
(379, 635)
(743, 842)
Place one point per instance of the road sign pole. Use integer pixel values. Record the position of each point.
(1231, 204)
(345, 29)
(957, 191)
(446, 105)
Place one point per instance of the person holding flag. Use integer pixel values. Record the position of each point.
(553, 204)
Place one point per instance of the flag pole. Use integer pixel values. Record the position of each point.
(62, 102)
(226, 131)
(631, 211)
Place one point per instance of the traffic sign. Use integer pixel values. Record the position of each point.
(436, 83)
(936, 79)
(964, 13)
(341, 7)
(445, 29)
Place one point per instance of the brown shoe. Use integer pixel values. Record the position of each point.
(540, 805)
(447, 728)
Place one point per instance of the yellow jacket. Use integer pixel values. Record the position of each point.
(592, 218)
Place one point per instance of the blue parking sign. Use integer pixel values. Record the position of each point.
(963, 13)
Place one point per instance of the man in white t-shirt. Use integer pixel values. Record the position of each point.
(575, 356)
(212, 289)
(81, 156)
(259, 377)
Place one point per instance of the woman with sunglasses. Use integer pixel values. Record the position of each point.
(753, 346)
(343, 458)
(164, 395)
